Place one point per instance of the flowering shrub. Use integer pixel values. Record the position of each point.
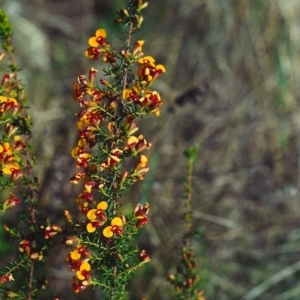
(108, 158)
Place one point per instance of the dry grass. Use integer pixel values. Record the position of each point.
(233, 87)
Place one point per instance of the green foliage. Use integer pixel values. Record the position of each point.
(5, 30)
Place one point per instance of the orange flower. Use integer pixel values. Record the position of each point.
(9, 166)
(112, 160)
(96, 216)
(147, 61)
(145, 98)
(142, 163)
(18, 143)
(82, 157)
(78, 261)
(5, 148)
(98, 39)
(84, 271)
(132, 94)
(74, 264)
(153, 101)
(79, 150)
(136, 144)
(140, 169)
(115, 227)
(7, 104)
(80, 252)
(138, 48)
(141, 212)
(148, 70)
(7, 159)
(8, 99)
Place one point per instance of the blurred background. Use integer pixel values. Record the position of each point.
(232, 86)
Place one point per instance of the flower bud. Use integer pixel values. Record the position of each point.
(25, 247)
(171, 278)
(5, 79)
(124, 53)
(82, 80)
(136, 18)
(123, 12)
(10, 129)
(11, 201)
(118, 20)
(123, 178)
(92, 75)
(144, 257)
(6, 277)
(68, 216)
(105, 82)
(16, 174)
(36, 255)
(69, 240)
(144, 5)
(140, 21)
(51, 230)
(11, 294)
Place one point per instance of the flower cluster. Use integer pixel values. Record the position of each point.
(148, 100)
(107, 127)
(51, 230)
(98, 46)
(11, 144)
(29, 249)
(78, 262)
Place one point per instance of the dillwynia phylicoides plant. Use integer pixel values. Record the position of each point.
(185, 279)
(109, 157)
(18, 186)
(102, 252)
